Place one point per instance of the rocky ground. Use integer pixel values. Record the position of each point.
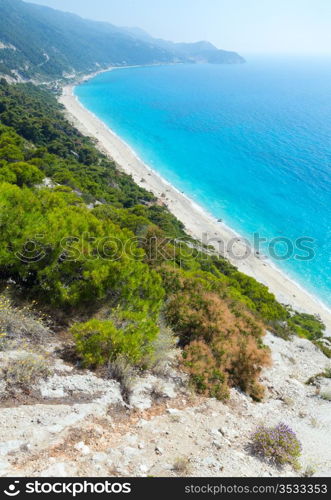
(75, 423)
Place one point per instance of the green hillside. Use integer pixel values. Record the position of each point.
(49, 43)
(37, 42)
(82, 241)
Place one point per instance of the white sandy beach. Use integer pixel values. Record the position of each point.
(198, 223)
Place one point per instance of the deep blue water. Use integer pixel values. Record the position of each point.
(251, 143)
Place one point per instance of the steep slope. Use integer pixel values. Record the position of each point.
(43, 43)
(57, 417)
(50, 43)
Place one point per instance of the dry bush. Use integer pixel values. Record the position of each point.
(157, 392)
(203, 314)
(244, 361)
(20, 324)
(182, 466)
(223, 345)
(206, 374)
(25, 371)
(164, 352)
(309, 471)
(123, 372)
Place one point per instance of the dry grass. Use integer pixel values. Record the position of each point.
(121, 371)
(164, 351)
(25, 371)
(21, 324)
(182, 466)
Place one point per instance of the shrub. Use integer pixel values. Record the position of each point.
(25, 371)
(309, 471)
(164, 352)
(236, 362)
(261, 299)
(182, 466)
(278, 444)
(121, 371)
(75, 258)
(307, 326)
(326, 349)
(22, 173)
(223, 345)
(17, 324)
(244, 361)
(281, 329)
(206, 374)
(130, 335)
(201, 314)
(314, 379)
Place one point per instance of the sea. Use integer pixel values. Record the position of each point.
(250, 143)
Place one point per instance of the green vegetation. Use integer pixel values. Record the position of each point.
(47, 44)
(74, 258)
(103, 253)
(130, 335)
(326, 349)
(307, 326)
(314, 379)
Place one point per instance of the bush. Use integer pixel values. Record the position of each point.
(121, 371)
(307, 326)
(129, 335)
(236, 362)
(22, 173)
(281, 329)
(206, 375)
(75, 258)
(25, 371)
(314, 379)
(164, 352)
(326, 350)
(278, 444)
(18, 324)
(223, 346)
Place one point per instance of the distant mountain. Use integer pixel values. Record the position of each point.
(198, 52)
(38, 42)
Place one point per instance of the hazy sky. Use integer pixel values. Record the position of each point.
(281, 26)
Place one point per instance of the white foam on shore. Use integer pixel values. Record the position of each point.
(196, 219)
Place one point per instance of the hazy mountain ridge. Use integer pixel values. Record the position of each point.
(197, 52)
(38, 42)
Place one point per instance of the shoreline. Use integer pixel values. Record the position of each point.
(198, 222)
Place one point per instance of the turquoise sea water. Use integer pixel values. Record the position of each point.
(250, 143)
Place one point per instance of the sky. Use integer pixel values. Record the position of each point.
(246, 26)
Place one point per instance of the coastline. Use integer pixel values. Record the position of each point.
(198, 223)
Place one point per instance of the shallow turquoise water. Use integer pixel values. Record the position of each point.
(251, 143)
